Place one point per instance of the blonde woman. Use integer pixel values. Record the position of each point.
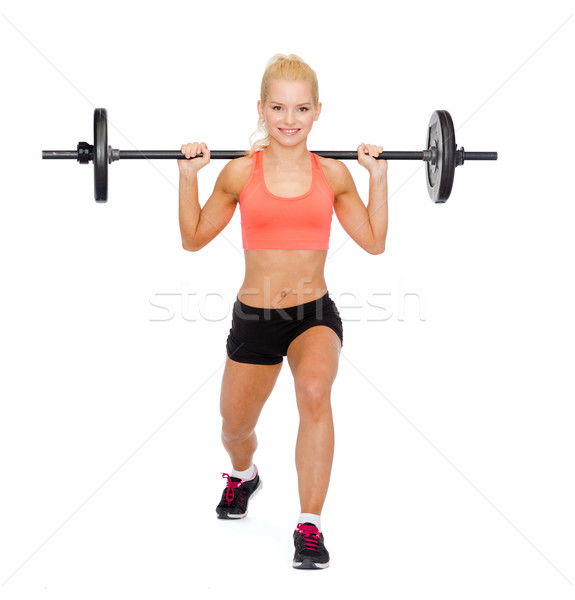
(287, 196)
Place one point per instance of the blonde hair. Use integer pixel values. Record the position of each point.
(287, 67)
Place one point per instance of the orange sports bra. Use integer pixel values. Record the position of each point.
(274, 223)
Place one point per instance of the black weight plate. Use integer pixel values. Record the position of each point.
(440, 173)
(100, 155)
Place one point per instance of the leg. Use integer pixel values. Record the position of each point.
(245, 389)
(313, 358)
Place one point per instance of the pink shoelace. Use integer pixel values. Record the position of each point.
(231, 488)
(310, 535)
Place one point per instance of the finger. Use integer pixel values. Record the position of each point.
(187, 149)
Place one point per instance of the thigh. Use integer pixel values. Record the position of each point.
(313, 358)
(245, 389)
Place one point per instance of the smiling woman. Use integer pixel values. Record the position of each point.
(282, 68)
(287, 196)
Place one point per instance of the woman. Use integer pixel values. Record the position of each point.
(286, 196)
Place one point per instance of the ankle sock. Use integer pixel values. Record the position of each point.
(310, 518)
(247, 474)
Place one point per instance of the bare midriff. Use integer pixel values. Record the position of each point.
(282, 278)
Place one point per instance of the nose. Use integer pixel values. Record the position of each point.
(290, 117)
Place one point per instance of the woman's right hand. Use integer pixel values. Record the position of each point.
(195, 164)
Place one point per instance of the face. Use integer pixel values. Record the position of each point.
(289, 112)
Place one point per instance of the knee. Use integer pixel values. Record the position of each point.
(314, 399)
(233, 432)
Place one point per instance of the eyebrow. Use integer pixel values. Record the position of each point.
(280, 104)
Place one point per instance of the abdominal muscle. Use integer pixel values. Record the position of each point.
(282, 278)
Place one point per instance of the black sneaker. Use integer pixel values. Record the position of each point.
(310, 553)
(235, 498)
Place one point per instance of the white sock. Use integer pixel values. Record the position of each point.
(247, 474)
(309, 518)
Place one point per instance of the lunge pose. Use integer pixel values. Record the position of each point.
(287, 196)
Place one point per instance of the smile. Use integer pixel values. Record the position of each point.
(289, 131)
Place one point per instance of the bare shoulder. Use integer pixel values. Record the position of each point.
(336, 173)
(239, 166)
(235, 175)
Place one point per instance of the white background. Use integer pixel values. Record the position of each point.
(453, 474)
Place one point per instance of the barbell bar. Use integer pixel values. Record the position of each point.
(441, 155)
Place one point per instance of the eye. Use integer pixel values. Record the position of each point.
(304, 108)
(276, 107)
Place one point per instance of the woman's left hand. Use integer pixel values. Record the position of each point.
(366, 154)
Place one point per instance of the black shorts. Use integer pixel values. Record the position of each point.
(261, 336)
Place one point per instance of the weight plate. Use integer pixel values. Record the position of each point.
(440, 173)
(100, 155)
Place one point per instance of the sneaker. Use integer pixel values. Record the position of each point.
(235, 498)
(310, 553)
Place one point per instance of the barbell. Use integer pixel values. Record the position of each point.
(441, 155)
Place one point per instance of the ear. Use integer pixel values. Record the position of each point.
(317, 112)
(260, 109)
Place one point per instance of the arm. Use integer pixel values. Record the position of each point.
(366, 225)
(199, 226)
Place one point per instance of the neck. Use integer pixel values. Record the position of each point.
(292, 155)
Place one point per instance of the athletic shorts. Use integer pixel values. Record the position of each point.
(261, 336)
